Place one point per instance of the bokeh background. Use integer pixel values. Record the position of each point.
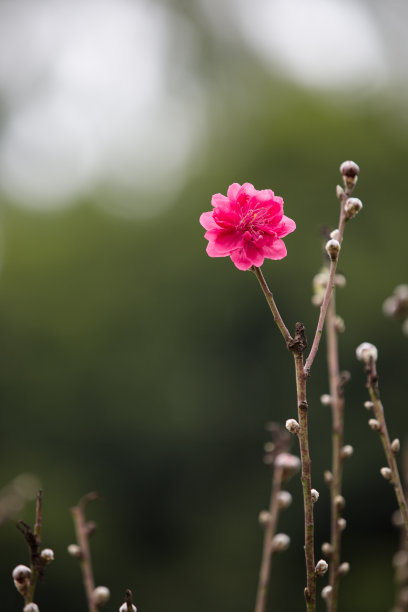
(133, 364)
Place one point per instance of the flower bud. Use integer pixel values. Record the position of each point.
(400, 559)
(339, 502)
(31, 607)
(100, 595)
(368, 405)
(390, 306)
(352, 207)
(326, 399)
(339, 325)
(124, 608)
(335, 234)
(328, 477)
(405, 327)
(321, 567)
(293, 426)
(327, 549)
(344, 568)
(75, 551)
(386, 473)
(280, 542)
(395, 446)
(366, 352)
(264, 518)
(341, 523)
(350, 172)
(21, 576)
(374, 424)
(347, 451)
(284, 499)
(340, 280)
(288, 462)
(47, 554)
(21, 573)
(396, 518)
(315, 495)
(340, 192)
(333, 249)
(327, 591)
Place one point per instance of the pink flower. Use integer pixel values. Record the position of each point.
(247, 225)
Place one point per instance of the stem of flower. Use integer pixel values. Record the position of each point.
(372, 384)
(337, 405)
(82, 534)
(267, 551)
(272, 305)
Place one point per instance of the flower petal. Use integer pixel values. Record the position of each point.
(207, 221)
(286, 226)
(233, 191)
(275, 251)
(240, 259)
(254, 255)
(219, 200)
(212, 251)
(228, 241)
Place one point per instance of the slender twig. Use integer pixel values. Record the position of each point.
(129, 600)
(297, 345)
(33, 539)
(394, 477)
(272, 305)
(82, 533)
(337, 406)
(310, 590)
(267, 551)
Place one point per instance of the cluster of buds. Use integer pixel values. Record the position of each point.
(397, 306)
(321, 280)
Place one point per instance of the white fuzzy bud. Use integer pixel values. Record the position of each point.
(344, 568)
(31, 607)
(293, 426)
(339, 325)
(400, 559)
(321, 567)
(21, 573)
(327, 549)
(280, 542)
(349, 168)
(317, 299)
(124, 608)
(374, 424)
(366, 352)
(47, 554)
(390, 306)
(264, 518)
(328, 477)
(395, 446)
(339, 192)
(335, 234)
(386, 473)
(341, 523)
(100, 595)
(368, 405)
(327, 591)
(326, 399)
(290, 464)
(75, 551)
(315, 495)
(401, 291)
(352, 207)
(284, 499)
(333, 249)
(340, 502)
(340, 281)
(347, 451)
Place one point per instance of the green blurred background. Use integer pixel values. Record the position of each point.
(133, 364)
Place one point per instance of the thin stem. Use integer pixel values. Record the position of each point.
(267, 551)
(337, 404)
(82, 534)
(372, 384)
(329, 288)
(272, 305)
(310, 590)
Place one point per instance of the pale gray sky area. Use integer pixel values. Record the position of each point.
(89, 95)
